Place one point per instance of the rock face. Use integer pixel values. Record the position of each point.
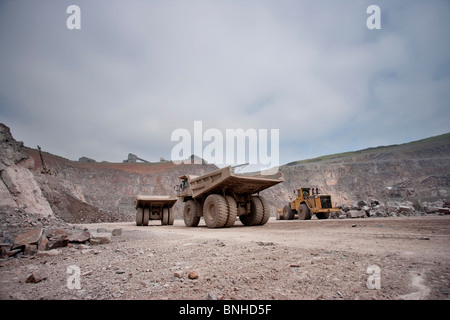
(416, 172)
(18, 187)
(408, 177)
(105, 192)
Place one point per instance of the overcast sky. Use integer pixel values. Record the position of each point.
(138, 70)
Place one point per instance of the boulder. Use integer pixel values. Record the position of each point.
(365, 208)
(58, 241)
(43, 243)
(361, 204)
(78, 236)
(117, 232)
(100, 238)
(356, 214)
(406, 209)
(30, 237)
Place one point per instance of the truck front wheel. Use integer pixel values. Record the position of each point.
(303, 212)
(288, 214)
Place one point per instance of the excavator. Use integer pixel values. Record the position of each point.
(44, 170)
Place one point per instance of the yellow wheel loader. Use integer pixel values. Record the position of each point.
(307, 203)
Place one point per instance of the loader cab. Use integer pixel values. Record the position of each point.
(303, 192)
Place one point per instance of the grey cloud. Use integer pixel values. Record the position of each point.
(140, 69)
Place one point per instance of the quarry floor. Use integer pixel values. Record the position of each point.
(402, 257)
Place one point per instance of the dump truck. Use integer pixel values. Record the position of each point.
(222, 195)
(308, 203)
(155, 208)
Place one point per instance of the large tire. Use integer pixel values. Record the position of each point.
(322, 215)
(165, 217)
(256, 213)
(146, 217)
(171, 217)
(303, 212)
(215, 211)
(139, 216)
(190, 214)
(232, 211)
(288, 214)
(266, 210)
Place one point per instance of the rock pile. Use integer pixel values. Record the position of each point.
(29, 234)
(374, 208)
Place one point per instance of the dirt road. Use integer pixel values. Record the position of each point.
(316, 259)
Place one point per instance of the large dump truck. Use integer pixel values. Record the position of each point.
(222, 195)
(154, 208)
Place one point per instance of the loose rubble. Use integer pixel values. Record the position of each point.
(29, 234)
(374, 209)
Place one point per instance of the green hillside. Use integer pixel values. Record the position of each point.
(413, 147)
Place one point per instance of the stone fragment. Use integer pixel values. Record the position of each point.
(78, 236)
(117, 232)
(30, 237)
(193, 275)
(355, 213)
(100, 238)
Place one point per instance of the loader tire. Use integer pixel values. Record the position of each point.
(322, 215)
(232, 211)
(190, 215)
(215, 211)
(303, 212)
(266, 210)
(165, 217)
(139, 216)
(288, 214)
(256, 213)
(146, 217)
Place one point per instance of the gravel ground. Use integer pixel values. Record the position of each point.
(316, 259)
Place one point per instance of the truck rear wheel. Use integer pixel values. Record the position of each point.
(190, 216)
(215, 211)
(266, 210)
(303, 212)
(146, 217)
(256, 213)
(232, 211)
(139, 216)
(165, 217)
(288, 214)
(171, 217)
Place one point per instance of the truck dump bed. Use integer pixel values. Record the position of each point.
(225, 179)
(155, 201)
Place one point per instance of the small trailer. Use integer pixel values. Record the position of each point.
(154, 208)
(222, 196)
